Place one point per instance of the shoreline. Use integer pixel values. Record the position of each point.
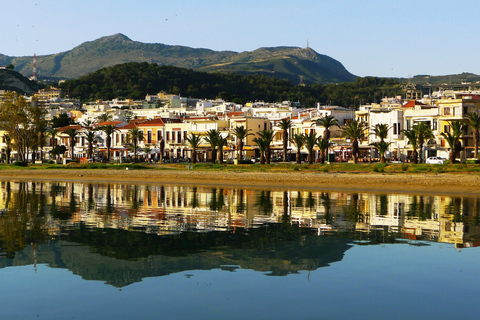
(441, 183)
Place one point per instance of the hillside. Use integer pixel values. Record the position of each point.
(290, 63)
(14, 81)
(450, 79)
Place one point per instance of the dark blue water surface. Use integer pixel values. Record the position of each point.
(111, 251)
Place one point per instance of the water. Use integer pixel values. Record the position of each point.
(101, 251)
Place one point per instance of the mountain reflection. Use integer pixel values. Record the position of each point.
(121, 233)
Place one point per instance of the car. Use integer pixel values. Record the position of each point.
(435, 160)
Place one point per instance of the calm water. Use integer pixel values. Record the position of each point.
(113, 251)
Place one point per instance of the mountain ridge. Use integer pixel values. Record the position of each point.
(292, 63)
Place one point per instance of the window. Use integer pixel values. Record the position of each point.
(159, 135)
(409, 124)
(149, 136)
(434, 126)
(446, 128)
(168, 135)
(446, 111)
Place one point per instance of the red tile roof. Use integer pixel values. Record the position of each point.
(412, 104)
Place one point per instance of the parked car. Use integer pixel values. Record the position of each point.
(435, 160)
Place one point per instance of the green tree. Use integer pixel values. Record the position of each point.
(194, 142)
(262, 145)
(355, 131)
(134, 135)
(327, 122)
(241, 133)
(285, 125)
(411, 136)
(212, 138)
(424, 132)
(221, 142)
(109, 129)
(453, 139)
(473, 120)
(267, 136)
(310, 142)
(62, 120)
(72, 134)
(8, 149)
(91, 137)
(380, 130)
(323, 144)
(103, 117)
(298, 141)
(382, 147)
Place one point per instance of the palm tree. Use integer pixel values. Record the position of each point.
(194, 142)
(241, 133)
(221, 142)
(72, 133)
(473, 120)
(285, 125)
(380, 130)
(355, 131)
(327, 122)
(382, 147)
(109, 129)
(457, 127)
(134, 135)
(53, 136)
(412, 138)
(267, 135)
(424, 132)
(299, 141)
(310, 142)
(212, 139)
(262, 145)
(91, 138)
(103, 117)
(323, 144)
(452, 141)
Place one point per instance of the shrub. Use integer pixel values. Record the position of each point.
(405, 167)
(20, 163)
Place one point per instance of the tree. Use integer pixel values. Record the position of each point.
(382, 147)
(323, 144)
(109, 129)
(134, 135)
(355, 131)
(262, 145)
(194, 142)
(298, 141)
(103, 117)
(285, 125)
(62, 120)
(241, 133)
(221, 142)
(8, 149)
(424, 132)
(327, 122)
(412, 138)
(473, 120)
(310, 142)
(18, 118)
(380, 130)
(267, 136)
(212, 139)
(453, 139)
(91, 138)
(72, 134)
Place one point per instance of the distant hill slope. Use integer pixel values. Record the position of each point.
(14, 81)
(449, 79)
(291, 63)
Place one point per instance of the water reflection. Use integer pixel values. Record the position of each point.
(149, 230)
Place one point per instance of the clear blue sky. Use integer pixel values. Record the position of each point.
(377, 38)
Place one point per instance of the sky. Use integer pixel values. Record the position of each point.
(370, 38)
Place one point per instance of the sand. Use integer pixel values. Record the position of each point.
(448, 183)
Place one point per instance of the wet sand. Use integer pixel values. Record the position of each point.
(448, 183)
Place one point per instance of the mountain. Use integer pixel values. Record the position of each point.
(14, 81)
(293, 63)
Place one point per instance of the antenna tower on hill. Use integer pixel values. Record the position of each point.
(34, 67)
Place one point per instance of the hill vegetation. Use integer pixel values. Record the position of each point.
(136, 80)
(290, 63)
(13, 81)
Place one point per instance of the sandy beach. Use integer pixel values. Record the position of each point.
(456, 183)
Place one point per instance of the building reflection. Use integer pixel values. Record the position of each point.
(172, 209)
